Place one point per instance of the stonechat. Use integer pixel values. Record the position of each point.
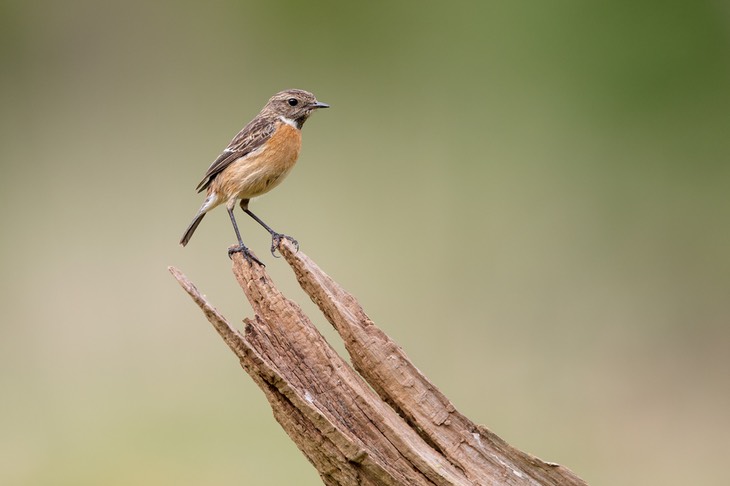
(256, 161)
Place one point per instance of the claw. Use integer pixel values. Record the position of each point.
(276, 241)
(250, 257)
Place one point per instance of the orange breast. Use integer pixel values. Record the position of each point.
(282, 149)
(262, 170)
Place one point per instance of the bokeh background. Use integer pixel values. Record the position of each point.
(530, 197)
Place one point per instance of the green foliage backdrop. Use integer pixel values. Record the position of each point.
(530, 197)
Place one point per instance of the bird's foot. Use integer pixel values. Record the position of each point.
(243, 249)
(276, 241)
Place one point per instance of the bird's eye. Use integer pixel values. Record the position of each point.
(292, 101)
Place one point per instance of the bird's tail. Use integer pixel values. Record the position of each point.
(191, 229)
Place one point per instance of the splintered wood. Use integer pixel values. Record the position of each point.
(380, 421)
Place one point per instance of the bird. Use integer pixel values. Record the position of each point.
(258, 158)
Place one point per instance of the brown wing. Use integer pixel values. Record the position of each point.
(253, 136)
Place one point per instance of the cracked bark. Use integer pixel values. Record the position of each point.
(379, 421)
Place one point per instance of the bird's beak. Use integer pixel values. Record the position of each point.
(318, 104)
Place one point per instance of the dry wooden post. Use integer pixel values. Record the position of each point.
(402, 431)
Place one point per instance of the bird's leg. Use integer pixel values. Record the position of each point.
(241, 247)
(275, 237)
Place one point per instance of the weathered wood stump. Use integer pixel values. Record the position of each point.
(379, 421)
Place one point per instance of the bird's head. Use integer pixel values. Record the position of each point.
(293, 106)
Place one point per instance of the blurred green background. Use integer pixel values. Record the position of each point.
(531, 198)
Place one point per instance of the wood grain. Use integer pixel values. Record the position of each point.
(380, 421)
